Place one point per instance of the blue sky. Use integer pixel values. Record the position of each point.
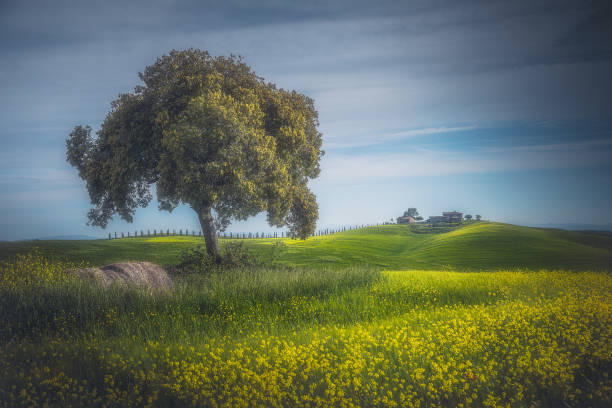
(496, 108)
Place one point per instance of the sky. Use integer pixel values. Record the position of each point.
(497, 108)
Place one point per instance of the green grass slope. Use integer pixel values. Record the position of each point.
(100, 252)
(494, 245)
(477, 246)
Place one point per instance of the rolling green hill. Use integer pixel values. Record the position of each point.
(477, 246)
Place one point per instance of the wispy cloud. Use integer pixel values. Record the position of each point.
(36, 187)
(357, 168)
(394, 136)
(430, 131)
(572, 146)
(66, 197)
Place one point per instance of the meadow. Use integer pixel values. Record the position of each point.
(349, 329)
(479, 246)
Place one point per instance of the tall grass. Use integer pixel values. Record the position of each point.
(239, 300)
(288, 336)
(224, 300)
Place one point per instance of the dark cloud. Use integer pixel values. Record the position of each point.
(496, 33)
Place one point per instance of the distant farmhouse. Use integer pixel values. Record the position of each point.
(451, 216)
(405, 220)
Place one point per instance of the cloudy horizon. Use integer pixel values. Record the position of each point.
(496, 108)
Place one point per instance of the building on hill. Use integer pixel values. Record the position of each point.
(405, 220)
(453, 216)
(434, 219)
(450, 216)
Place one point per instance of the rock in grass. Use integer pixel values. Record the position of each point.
(139, 274)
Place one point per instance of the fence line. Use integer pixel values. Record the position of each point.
(232, 235)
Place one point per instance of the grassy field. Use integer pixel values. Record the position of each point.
(478, 246)
(364, 323)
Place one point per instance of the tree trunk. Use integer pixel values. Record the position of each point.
(207, 223)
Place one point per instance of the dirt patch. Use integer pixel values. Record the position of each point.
(140, 274)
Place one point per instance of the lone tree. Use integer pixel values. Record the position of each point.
(477, 217)
(411, 212)
(210, 133)
(468, 217)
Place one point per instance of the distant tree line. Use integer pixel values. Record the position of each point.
(469, 217)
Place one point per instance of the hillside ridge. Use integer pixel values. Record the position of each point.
(476, 246)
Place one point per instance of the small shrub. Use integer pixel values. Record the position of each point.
(236, 254)
(193, 260)
(278, 249)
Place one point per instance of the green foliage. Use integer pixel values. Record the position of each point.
(411, 212)
(78, 148)
(210, 133)
(236, 254)
(192, 260)
(196, 260)
(277, 250)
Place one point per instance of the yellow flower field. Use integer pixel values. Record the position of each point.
(499, 339)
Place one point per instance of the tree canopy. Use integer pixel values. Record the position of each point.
(411, 212)
(210, 133)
